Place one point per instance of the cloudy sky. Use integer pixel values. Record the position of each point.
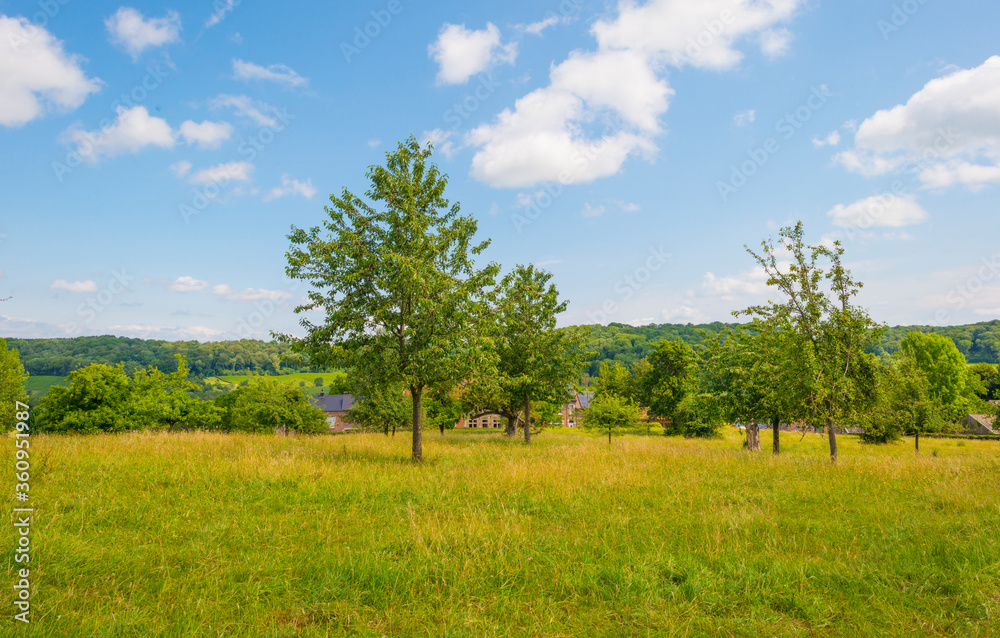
(154, 156)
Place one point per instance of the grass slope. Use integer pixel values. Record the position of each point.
(216, 535)
(41, 384)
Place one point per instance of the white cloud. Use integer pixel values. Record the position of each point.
(279, 73)
(36, 75)
(207, 134)
(188, 284)
(133, 130)
(684, 314)
(548, 262)
(753, 282)
(745, 118)
(702, 34)
(258, 112)
(223, 173)
(536, 28)
(774, 43)
(291, 186)
(73, 286)
(181, 168)
(832, 139)
(947, 133)
(441, 140)
(222, 9)
(134, 33)
(590, 211)
(461, 53)
(374, 143)
(168, 333)
(249, 294)
(879, 211)
(550, 133)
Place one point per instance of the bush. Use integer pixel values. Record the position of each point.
(265, 404)
(697, 415)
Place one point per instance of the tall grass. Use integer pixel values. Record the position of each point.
(228, 535)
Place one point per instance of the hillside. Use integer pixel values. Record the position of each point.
(979, 342)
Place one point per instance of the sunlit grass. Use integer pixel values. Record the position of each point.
(227, 535)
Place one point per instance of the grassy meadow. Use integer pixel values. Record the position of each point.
(292, 379)
(230, 535)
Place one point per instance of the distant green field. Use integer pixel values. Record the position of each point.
(199, 534)
(294, 379)
(42, 384)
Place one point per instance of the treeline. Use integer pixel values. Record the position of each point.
(625, 344)
(621, 343)
(59, 357)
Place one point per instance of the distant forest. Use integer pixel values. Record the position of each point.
(979, 342)
(59, 357)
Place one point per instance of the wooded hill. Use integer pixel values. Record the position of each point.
(979, 342)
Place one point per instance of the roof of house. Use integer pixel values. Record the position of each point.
(982, 419)
(585, 398)
(333, 402)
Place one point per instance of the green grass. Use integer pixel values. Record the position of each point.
(220, 535)
(41, 384)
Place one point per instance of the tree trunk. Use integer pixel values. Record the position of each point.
(916, 442)
(527, 418)
(832, 435)
(511, 425)
(387, 428)
(418, 444)
(753, 437)
(775, 429)
(394, 431)
(441, 425)
(609, 436)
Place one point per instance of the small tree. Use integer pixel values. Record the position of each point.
(828, 335)
(318, 382)
(12, 378)
(698, 415)
(381, 408)
(610, 412)
(535, 360)
(266, 405)
(402, 298)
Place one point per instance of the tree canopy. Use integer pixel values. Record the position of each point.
(395, 279)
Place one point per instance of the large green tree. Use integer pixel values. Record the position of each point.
(12, 378)
(670, 375)
(828, 334)
(535, 360)
(949, 379)
(395, 279)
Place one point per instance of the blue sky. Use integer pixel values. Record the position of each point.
(154, 156)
